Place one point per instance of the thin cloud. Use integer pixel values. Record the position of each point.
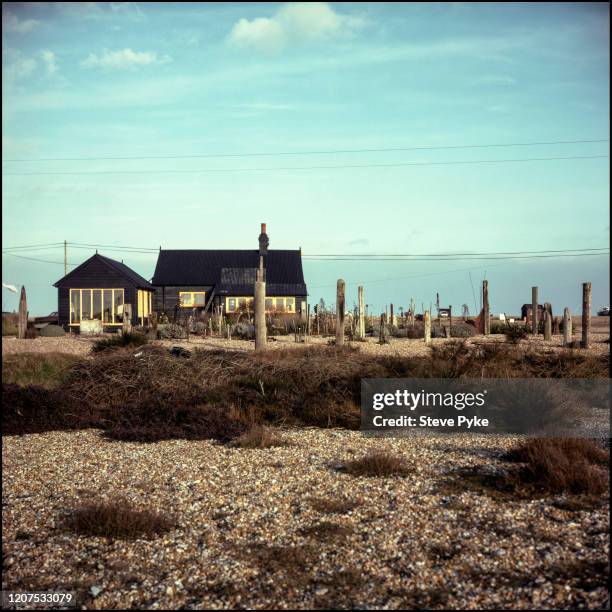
(12, 23)
(292, 23)
(125, 59)
(50, 60)
(18, 66)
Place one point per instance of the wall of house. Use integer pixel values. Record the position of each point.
(166, 300)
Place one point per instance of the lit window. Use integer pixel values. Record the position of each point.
(192, 299)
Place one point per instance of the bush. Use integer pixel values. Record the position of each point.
(117, 519)
(132, 339)
(200, 328)
(377, 464)
(418, 331)
(9, 324)
(171, 331)
(244, 330)
(52, 331)
(463, 330)
(260, 437)
(516, 333)
(559, 465)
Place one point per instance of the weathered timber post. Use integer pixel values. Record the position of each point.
(340, 313)
(567, 326)
(485, 308)
(586, 315)
(127, 319)
(260, 313)
(556, 325)
(382, 338)
(307, 333)
(547, 325)
(391, 312)
(361, 307)
(22, 321)
(427, 326)
(534, 310)
(450, 321)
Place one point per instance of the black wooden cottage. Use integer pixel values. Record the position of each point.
(99, 289)
(196, 281)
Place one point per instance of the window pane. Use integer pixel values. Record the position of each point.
(291, 304)
(199, 299)
(86, 304)
(186, 299)
(269, 304)
(280, 304)
(242, 303)
(97, 304)
(108, 306)
(75, 305)
(118, 305)
(231, 304)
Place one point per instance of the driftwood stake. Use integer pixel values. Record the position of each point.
(534, 310)
(340, 312)
(22, 321)
(586, 315)
(361, 307)
(547, 324)
(427, 326)
(485, 308)
(567, 326)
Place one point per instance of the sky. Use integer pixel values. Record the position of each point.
(186, 125)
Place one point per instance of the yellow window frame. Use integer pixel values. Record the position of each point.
(192, 294)
(250, 303)
(91, 290)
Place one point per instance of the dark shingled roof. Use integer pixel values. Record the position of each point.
(231, 271)
(125, 271)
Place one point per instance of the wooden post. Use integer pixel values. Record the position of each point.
(361, 311)
(547, 325)
(260, 313)
(340, 313)
(556, 324)
(427, 326)
(127, 319)
(22, 321)
(567, 327)
(586, 315)
(485, 308)
(450, 321)
(307, 323)
(534, 310)
(391, 312)
(220, 320)
(381, 330)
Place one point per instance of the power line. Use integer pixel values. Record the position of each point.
(275, 168)
(313, 258)
(35, 247)
(325, 152)
(59, 263)
(452, 254)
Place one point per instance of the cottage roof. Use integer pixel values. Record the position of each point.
(231, 271)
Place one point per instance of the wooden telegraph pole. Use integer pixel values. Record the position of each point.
(586, 315)
(340, 312)
(427, 326)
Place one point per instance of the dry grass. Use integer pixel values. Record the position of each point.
(333, 505)
(49, 370)
(572, 465)
(117, 519)
(378, 464)
(260, 437)
(118, 340)
(158, 396)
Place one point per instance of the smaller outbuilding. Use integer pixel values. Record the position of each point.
(99, 290)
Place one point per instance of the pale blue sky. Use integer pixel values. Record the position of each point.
(85, 80)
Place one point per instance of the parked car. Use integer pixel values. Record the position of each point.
(51, 318)
(604, 312)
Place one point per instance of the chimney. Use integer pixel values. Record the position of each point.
(264, 241)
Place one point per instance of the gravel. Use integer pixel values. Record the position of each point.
(248, 536)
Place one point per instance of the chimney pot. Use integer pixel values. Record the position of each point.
(263, 228)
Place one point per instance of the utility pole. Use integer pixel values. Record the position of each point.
(65, 258)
